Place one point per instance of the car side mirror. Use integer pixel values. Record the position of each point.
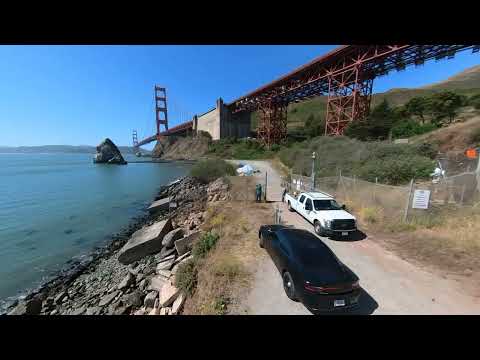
(344, 207)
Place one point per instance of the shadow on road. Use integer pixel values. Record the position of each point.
(354, 236)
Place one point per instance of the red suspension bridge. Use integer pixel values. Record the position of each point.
(345, 75)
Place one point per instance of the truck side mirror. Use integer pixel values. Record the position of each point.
(344, 207)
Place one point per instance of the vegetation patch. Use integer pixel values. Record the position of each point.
(224, 257)
(390, 163)
(211, 169)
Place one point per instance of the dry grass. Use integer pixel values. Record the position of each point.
(456, 137)
(448, 240)
(225, 273)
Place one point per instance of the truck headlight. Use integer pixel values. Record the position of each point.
(327, 224)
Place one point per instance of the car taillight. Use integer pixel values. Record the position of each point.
(318, 289)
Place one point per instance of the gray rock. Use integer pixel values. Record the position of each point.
(165, 265)
(185, 244)
(54, 312)
(143, 284)
(95, 310)
(107, 299)
(149, 300)
(108, 153)
(159, 205)
(59, 298)
(134, 299)
(29, 307)
(164, 253)
(184, 256)
(167, 294)
(177, 304)
(78, 311)
(165, 273)
(126, 282)
(169, 239)
(145, 241)
(156, 283)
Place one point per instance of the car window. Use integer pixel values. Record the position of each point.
(326, 205)
(309, 203)
(302, 198)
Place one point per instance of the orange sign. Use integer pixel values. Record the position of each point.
(471, 153)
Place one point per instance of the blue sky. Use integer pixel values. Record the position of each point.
(79, 95)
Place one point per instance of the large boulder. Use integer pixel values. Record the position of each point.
(168, 240)
(146, 241)
(29, 307)
(108, 153)
(184, 244)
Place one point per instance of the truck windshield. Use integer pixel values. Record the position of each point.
(326, 205)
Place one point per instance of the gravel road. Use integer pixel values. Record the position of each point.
(390, 284)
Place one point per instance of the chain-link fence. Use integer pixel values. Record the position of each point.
(395, 202)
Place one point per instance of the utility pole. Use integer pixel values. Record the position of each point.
(313, 171)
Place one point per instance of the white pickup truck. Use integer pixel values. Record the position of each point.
(326, 215)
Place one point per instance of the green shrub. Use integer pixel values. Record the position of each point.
(186, 277)
(211, 169)
(474, 101)
(408, 128)
(204, 245)
(391, 163)
(397, 170)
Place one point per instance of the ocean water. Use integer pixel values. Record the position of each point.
(54, 207)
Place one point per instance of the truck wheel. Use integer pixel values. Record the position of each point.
(290, 207)
(318, 228)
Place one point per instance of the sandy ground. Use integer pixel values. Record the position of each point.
(390, 285)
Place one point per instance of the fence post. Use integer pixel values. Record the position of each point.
(266, 181)
(408, 201)
(374, 189)
(463, 194)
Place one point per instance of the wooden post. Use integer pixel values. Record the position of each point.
(266, 181)
(375, 188)
(408, 201)
(463, 194)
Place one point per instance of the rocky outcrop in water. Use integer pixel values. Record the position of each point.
(108, 153)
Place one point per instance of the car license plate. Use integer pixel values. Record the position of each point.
(337, 303)
(344, 233)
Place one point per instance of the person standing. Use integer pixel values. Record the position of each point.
(258, 192)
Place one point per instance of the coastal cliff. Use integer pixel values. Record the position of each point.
(181, 148)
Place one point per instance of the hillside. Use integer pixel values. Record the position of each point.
(179, 148)
(466, 82)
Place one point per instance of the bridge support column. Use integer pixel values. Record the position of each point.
(272, 125)
(349, 97)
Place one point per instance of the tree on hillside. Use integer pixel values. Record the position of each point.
(474, 101)
(417, 106)
(376, 126)
(314, 126)
(445, 105)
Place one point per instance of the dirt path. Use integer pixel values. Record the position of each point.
(391, 285)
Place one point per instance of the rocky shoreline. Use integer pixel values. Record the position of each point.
(101, 284)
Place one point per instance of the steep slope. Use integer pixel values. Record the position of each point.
(181, 148)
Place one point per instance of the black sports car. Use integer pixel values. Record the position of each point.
(310, 271)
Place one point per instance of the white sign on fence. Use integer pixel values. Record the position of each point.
(421, 199)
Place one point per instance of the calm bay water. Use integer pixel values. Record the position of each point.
(54, 207)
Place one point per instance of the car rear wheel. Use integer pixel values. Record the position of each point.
(319, 229)
(289, 286)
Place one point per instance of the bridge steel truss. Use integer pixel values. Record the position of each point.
(345, 75)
